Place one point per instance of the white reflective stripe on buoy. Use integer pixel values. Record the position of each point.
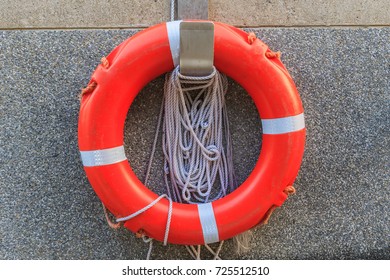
(283, 125)
(173, 28)
(103, 157)
(209, 225)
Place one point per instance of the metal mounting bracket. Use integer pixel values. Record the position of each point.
(196, 48)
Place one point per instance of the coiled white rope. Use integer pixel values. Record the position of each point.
(194, 131)
(196, 141)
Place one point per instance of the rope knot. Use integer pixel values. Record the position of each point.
(146, 239)
(88, 89)
(105, 63)
(251, 38)
(289, 190)
(271, 54)
(110, 223)
(213, 153)
(186, 154)
(140, 233)
(204, 124)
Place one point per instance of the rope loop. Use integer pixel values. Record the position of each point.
(105, 63)
(147, 207)
(271, 54)
(251, 38)
(88, 89)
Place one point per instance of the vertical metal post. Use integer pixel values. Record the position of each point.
(192, 9)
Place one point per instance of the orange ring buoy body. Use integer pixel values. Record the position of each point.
(144, 57)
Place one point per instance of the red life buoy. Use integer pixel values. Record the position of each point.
(142, 58)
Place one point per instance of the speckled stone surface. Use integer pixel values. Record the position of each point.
(341, 210)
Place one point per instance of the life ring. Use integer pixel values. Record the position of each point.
(142, 58)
